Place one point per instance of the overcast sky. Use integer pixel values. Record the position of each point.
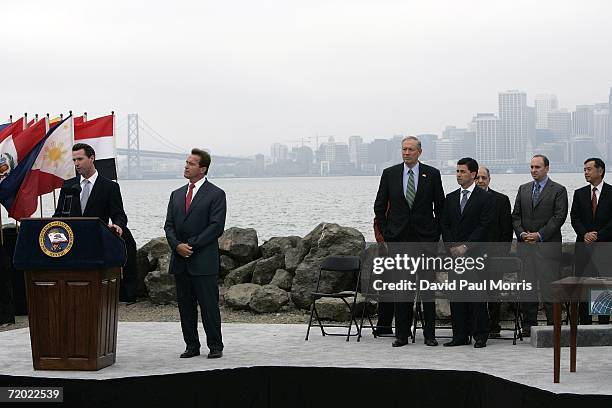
(237, 76)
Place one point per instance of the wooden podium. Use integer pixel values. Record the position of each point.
(73, 269)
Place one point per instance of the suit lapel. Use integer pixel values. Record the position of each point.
(471, 198)
(92, 194)
(422, 176)
(400, 181)
(198, 197)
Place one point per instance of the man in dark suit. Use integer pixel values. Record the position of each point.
(540, 209)
(500, 231)
(97, 196)
(92, 195)
(467, 217)
(591, 217)
(408, 206)
(194, 222)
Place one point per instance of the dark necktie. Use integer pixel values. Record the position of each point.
(594, 201)
(536, 193)
(189, 197)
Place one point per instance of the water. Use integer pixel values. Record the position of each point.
(291, 205)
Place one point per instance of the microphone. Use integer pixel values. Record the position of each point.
(69, 193)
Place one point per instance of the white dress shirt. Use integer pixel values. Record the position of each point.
(470, 189)
(197, 186)
(92, 179)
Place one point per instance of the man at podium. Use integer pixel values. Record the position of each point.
(90, 194)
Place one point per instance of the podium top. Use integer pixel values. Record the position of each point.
(67, 243)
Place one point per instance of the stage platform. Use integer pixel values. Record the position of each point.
(272, 365)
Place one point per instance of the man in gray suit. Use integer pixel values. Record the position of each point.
(539, 212)
(194, 222)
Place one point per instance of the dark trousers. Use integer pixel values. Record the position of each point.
(192, 291)
(469, 319)
(494, 316)
(541, 271)
(385, 315)
(404, 317)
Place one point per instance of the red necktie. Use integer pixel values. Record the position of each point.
(594, 201)
(189, 197)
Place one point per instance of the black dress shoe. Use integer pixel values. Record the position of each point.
(190, 353)
(480, 343)
(215, 354)
(399, 342)
(431, 342)
(457, 342)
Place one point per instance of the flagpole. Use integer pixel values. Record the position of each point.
(115, 147)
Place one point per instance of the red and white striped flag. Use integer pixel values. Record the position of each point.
(100, 134)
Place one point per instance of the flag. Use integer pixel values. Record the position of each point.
(52, 166)
(2, 126)
(11, 184)
(100, 134)
(78, 120)
(16, 143)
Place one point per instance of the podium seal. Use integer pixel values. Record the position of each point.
(56, 239)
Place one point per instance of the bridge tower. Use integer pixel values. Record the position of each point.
(133, 147)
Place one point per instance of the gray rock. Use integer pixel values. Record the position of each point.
(242, 274)
(226, 265)
(266, 268)
(160, 284)
(323, 241)
(335, 309)
(241, 244)
(268, 299)
(278, 245)
(282, 279)
(146, 261)
(239, 296)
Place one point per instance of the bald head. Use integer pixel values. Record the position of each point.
(483, 178)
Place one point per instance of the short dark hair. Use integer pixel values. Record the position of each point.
(89, 151)
(599, 164)
(204, 157)
(546, 161)
(471, 164)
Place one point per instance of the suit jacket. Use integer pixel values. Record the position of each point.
(582, 214)
(200, 227)
(398, 222)
(104, 202)
(501, 228)
(546, 216)
(471, 226)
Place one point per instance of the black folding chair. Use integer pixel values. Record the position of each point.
(509, 265)
(342, 265)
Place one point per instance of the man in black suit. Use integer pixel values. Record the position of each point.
(194, 222)
(467, 217)
(591, 216)
(500, 231)
(96, 196)
(408, 206)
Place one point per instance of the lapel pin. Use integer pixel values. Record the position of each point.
(424, 175)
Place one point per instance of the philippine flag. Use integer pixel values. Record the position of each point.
(100, 134)
(53, 165)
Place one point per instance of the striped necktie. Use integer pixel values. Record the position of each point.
(410, 193)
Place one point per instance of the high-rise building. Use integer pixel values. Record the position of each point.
(488, 138)
(560, 125)
(544, 103)
(600, 123)
(582, 121)
(279, 152)
(428, 141)
(355, 143)
(514, 126)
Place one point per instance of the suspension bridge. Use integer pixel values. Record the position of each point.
(143, 163)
